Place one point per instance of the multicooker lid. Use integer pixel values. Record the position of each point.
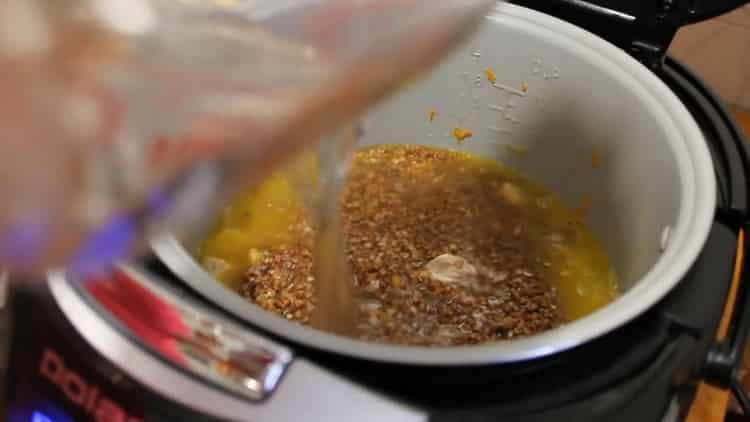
(644, 28)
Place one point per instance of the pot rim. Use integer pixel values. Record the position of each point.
(688, 237)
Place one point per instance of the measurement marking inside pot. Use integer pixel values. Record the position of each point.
(509, 89)
(536, 67)
(499, 130)
(554, 75)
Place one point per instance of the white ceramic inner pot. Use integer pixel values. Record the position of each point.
(561, 93)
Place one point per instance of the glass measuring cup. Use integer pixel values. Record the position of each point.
(123, 109)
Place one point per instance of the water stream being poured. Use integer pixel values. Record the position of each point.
(336, 309)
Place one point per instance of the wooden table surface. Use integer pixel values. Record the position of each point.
(743, 118)
(711, 403)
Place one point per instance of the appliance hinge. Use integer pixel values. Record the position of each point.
(648, 53)
(656, 27)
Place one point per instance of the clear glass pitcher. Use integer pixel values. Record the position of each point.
(119, 111)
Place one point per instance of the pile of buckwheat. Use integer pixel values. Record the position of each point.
(439, 251)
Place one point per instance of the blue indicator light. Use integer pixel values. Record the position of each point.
(104, 247)
(40, 417)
